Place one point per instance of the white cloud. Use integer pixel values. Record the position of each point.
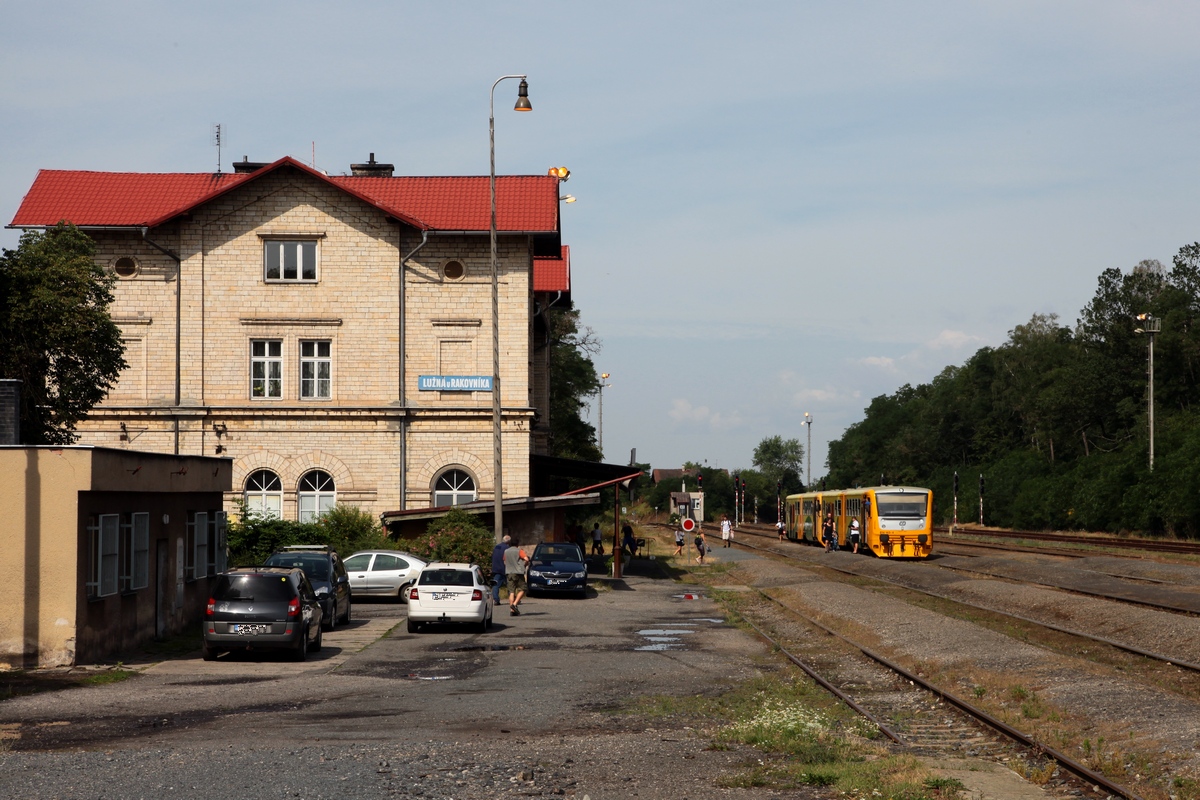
(684, 413)
(882, 362)
(954, 340)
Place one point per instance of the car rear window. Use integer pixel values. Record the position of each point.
(314, 565)
(446, 577)
(263, 588)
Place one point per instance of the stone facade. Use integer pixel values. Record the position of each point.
(198, 299)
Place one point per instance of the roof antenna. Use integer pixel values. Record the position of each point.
(217, 141)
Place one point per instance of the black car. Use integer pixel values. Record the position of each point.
(327, 574)
(262, 608)
(557, 567)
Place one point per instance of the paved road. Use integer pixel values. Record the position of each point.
(383, 713)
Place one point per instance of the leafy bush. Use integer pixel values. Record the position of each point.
(346, 529)
(458, 536)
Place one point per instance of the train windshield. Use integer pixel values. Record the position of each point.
(909, 504)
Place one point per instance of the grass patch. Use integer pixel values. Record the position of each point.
(108, 676)
(807, 738)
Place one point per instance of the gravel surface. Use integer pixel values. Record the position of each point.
(1135, 715)
(525, 710)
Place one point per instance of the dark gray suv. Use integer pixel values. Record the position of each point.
(325, 572)
(262, 608)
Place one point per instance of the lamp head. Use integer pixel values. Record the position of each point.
(523, 103)
(568, 198)
(562, 173)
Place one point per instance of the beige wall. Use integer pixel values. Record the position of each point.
(356, 434)
(38, 554)
(50, 495)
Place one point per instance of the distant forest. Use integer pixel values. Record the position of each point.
(1055, 418)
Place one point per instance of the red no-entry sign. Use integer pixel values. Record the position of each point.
(689, 524)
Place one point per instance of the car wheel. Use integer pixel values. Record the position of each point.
(402, 593)
(346, 616)
(318, 643)
(208, 652)
(413, 627)
(481, 626)
(329, 622)
(301, 651)
(488, 622)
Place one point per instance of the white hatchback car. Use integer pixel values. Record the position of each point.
(383, 573)
(450, 593)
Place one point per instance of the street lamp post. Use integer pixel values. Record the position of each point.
(808, 421)
(1150, 326)
(600, 415)
(497, 455)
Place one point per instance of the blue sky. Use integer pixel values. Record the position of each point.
(783, 207)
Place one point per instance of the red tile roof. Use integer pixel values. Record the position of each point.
(125, 199)
(553, 274)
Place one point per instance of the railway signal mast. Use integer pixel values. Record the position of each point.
(954, 523)
(981, 499)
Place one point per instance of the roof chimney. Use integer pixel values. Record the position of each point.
(246, 165)
(372, 170)
(10, 411)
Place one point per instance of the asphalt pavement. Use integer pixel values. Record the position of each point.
(525, 709)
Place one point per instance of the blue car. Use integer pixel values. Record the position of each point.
(557, 567)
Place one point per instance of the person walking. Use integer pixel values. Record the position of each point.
(726, 529)
(597, 540)
(827, 533)
(779, 527)
(514, 573)
(701, 546)
(678, 542)
(498, 568)
(854, 535)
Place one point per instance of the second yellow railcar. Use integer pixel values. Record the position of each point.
(896, 521)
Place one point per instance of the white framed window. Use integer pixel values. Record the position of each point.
(197, 540)
(266, 368)
(108, 552)
(290, 261)
(135, 552)
(264, 493)
(317, 494)
(316, 369)
(453, 487)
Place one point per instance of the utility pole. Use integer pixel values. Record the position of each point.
(808, 421)
(1150, 326)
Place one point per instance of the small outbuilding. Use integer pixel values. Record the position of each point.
(104, 550)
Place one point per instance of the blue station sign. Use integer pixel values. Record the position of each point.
(454, 383)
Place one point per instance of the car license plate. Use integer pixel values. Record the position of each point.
(249, 630)
(445, 595)
(556, 581)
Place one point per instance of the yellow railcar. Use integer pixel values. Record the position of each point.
(896, 521)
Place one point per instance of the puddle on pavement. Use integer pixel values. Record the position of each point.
(688, 596)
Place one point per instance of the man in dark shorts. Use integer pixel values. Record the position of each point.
(514, 573)
(498, 568)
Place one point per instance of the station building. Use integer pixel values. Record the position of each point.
(332, 335)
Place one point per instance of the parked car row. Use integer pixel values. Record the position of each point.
(301, 591)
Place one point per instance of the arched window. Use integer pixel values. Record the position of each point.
(264, 494)
(317, 494)
(452, 488)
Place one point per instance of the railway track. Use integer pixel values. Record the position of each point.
(1148, 545)
(949, 723)
(1125, 646)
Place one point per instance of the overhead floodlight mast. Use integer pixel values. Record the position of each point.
(523, 104)
(1150, 325)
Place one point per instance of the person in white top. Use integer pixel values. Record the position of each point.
(854, 532)
(726, 529)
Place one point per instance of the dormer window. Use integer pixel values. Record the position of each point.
(290, 260)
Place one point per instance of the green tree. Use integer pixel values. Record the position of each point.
(779, 461)
(572, 381)
(56, 335)
(457, 536)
